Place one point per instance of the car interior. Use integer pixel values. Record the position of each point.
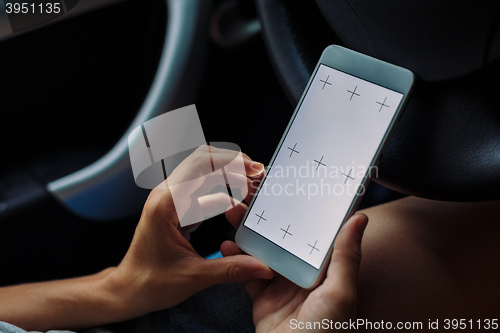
(75, 85)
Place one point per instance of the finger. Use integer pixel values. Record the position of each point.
(347, 247)
(237, 164)
(229, 248)
(258, 177)
(196, 209)
(193, 205)
(238, 268)
(235, 214)
(236, 183)
(215, 204)
(255, 287)
(206, 159)
(252, 187)
(235, 161)
(342, 273)
(255, 170)
(217, 150)
(186, 194)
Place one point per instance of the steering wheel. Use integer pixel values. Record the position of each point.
(105, 190)
(447, 144)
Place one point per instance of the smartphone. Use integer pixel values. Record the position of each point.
(324, 162)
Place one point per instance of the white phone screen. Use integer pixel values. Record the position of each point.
(323, 159)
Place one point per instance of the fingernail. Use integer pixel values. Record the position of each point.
(257, 167)
(361, 225)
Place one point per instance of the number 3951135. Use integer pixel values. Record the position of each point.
(33, 8)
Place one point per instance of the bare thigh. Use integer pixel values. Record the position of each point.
(425, 259)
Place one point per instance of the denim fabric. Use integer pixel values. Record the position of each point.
(8, 328)
(222, 308)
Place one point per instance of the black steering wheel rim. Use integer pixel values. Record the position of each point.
(447, 144)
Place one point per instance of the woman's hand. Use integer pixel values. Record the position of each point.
(282, 306)
(161, 268)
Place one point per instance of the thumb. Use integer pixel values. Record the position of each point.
(341, 278)
(238, 268)
(347, 248)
